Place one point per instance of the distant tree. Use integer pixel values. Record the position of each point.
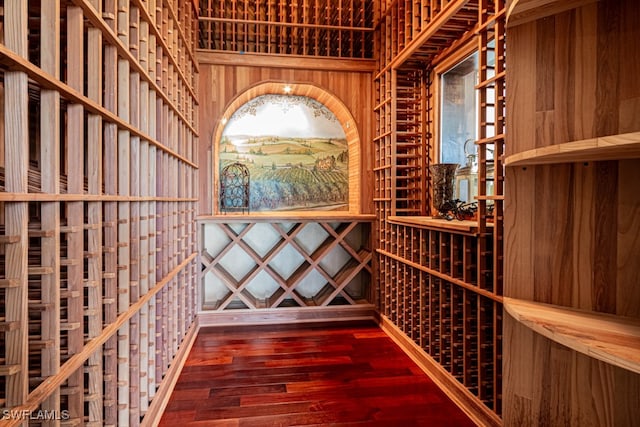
(343, 157)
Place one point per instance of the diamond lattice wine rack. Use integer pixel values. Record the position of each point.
(259, 263)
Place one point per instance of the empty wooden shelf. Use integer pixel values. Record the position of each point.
(613, 147)
(612, 339)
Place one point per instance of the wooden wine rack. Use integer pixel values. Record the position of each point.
(97, 210)
(440, 282)
(440, 305)
(321, 28)
(284, 262)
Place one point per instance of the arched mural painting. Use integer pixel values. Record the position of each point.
(295, 149)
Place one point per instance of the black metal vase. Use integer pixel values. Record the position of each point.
(442, 180)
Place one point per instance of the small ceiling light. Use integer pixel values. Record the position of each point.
(287, 89)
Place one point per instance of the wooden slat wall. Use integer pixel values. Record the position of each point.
(224, 83)
(98, 281)
(571, 229)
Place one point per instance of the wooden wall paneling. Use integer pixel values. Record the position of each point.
(628, 244)
(239, 79)
(519, 268)
(50, 183)
(16, 215)
(94, 226)
(75, 210)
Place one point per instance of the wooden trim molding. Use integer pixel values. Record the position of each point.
(287, 315)
(206, 56)
(286, 217)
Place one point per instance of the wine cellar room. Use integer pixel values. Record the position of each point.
(459, 175)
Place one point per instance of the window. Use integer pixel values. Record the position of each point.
(460, 113)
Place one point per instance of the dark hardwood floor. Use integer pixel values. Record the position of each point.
(311, 375)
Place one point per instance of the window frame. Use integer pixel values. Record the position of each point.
(440, 68)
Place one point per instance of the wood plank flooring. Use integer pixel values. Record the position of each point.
(305, 375)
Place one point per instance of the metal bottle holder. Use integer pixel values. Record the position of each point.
(234, 188)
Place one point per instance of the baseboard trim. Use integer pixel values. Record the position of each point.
(280, 316)
(469, 403)
(161, 399)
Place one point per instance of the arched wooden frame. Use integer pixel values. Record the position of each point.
(326, 98)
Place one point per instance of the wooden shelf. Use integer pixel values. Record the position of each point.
(613, 147)
(293, 216)
(612, 339)
(437, 223)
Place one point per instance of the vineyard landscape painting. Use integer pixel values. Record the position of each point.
(295, 150)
